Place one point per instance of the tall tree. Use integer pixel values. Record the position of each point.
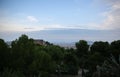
(82, 48)
(22, 51)
(115, 49)
(101, 47)
(71, 63)
(82, 52)
(3, 54)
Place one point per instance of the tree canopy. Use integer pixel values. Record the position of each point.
(26, 59)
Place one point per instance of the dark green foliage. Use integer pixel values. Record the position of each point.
(82, 48)
(101, 47)
(82, 52)
(94, 60)
(26, 59)
(4, 55)
(70, 64)
(115, 49)
(56, 53)
(10, 73)
(22, 53)
(110, 68)
(3, 46)
(99, 51)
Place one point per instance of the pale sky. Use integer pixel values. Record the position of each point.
(33, 17)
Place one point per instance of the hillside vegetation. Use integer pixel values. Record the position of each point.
(24, 58)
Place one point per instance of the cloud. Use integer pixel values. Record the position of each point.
(32, 19)
(111, 21)
(112, 17)
(17, 27)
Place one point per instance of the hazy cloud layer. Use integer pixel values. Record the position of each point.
(112, 20)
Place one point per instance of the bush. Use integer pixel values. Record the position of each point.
(10, 73)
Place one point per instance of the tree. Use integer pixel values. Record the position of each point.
(56, 52)
(4, 55)
(42, 64)
(22, 53)
(99, 51)
(115, 49)
(70, 63)
(94, 60)
(101, 47)
(82, 47)
(82, 51)
(110, 68)
(31, 59)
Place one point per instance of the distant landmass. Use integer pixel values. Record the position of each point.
(70, 44)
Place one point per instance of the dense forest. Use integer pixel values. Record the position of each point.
(24, 58)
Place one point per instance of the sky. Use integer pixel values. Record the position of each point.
(60, 20)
